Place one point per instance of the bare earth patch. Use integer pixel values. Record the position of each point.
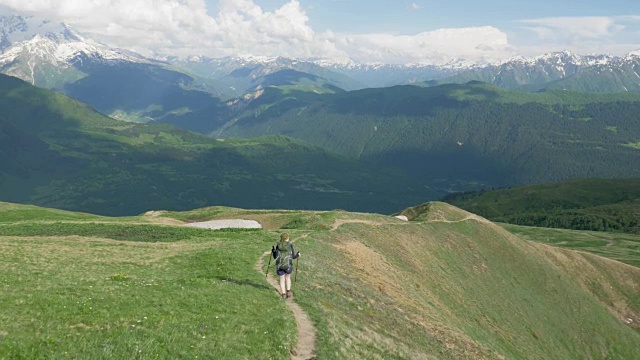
(154, 216)
(227, 223)
(373, 268)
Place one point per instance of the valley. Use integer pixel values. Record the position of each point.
(451, 197)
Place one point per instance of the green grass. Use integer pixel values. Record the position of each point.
(616, 246)
(13, 213)
(86, 297)
(421, 289)
(273, 219)
(633, 145)
(613, 129)
(142, 233)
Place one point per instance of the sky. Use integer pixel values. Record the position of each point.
(368, 31)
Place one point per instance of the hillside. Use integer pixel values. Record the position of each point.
(461, 137)
(446, 285)
(581, 204)
(60, 153)
(147, 93)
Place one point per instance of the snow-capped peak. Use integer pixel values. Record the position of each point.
(55, 43)
(633, 54)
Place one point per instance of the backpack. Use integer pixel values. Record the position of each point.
(284, 259)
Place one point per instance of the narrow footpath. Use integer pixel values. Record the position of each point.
(306, 346)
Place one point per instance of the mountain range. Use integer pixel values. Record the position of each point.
(203, 94)
(561, 70)
(52, 55)
(439, 137)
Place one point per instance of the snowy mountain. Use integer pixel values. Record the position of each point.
(559, 70)
(124, 84)
(239, 73)
(116, 82)
(384, 75)
(615, 74)
(51, 54)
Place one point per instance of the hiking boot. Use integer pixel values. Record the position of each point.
(284, 296)
(289, 294)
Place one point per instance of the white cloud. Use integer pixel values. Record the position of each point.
(153, 24)
(583, 35)
(183, 27)
(438, 46)
(578, 28)
(415, 6)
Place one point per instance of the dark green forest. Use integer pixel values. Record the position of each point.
(580, 204)
(469, 136)
(374, 150)
(59, 153)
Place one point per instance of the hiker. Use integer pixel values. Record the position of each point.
(284, 254)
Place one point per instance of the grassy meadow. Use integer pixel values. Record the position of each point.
(446, 285)
(134, 291)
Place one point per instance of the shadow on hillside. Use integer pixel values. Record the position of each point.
(242, 282)
(412, 101)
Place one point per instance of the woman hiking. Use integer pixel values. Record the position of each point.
(284, 254)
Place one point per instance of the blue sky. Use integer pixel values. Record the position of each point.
(417, 16)
(374, 31)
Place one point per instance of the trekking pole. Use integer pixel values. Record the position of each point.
(295, 277)
(266, 272)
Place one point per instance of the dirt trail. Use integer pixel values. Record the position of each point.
(306, 346)
(469, 217)
(339, 222)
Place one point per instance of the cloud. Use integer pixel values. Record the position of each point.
(241, 27)
(152, 24)
(613, 35)
(576, 28)
(415, 6)
(438, 46)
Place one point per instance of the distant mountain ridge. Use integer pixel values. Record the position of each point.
(29, 44)
(560, 70)
(195, 92)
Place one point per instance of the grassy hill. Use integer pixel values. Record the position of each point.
(446, 285)
(583, 204)
(60, 153)
(617, 246)
(460, 137)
